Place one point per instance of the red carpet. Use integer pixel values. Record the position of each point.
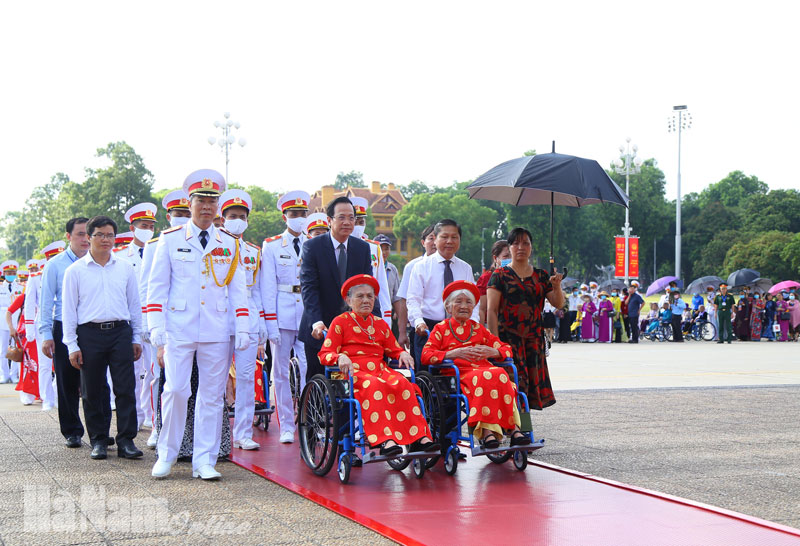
(486, 503)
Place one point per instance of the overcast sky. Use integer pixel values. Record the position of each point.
(435, 91)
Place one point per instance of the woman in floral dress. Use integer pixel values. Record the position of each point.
(516, 295)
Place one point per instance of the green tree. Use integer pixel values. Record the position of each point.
(790, 254)
(764, 253)
(733, 190)
(711, 260)
(354, 179)
(777, 210)
(425, 209)
(413, 188)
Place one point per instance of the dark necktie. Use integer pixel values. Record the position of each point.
(204, 238)
(141, 252)
(297, 246)
(342, 263)
(448, 273)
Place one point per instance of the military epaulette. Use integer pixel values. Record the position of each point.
(275, 238)
(154, 239)
(172, 229)
(119, 248)
(254, 246)
(370, 241)
(226, 232)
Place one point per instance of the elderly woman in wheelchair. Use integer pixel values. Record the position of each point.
(357, 342)
(491, 394)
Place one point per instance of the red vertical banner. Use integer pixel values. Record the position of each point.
(633, 257)
(619, 257)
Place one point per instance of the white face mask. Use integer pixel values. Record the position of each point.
(236, 227)
(143, 235)
(176, 221)
(358, 231)
(298, 225)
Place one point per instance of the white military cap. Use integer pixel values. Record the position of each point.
(9, 265)
(177, 199)
(235, 198)
(141, 211)
(360, 204)
(317, 220)
(297, 199)
(53, 248)
(206, 182)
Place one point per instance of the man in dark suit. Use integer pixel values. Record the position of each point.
(328, 261)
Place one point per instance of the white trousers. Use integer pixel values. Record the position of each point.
(280, 376)
(145, 395)
(245, 390)
(139, 372)
(155, 376)
(213, 366)
(8, 369)
(47, 388)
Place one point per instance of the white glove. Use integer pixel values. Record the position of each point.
(262, 333)
(275, 339)
(242, 341)
(158, 337)
(145, 336)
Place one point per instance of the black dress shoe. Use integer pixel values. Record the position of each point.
(73, 441)
(520, 439)
(128, 451)
(419, 446)
(99, 451)
(390, 451)
(110, 441)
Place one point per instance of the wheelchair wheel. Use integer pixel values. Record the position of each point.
(399, 464)
(520, 460)
(708, 331)
(499, 458)
(418, 465)
(318, 426)
(433, 403)
(294, 385)
(451, 462)
(345, 464)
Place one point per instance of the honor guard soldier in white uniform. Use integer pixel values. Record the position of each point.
(235, 206)
(317, 224)
(283, 303)
(176, 203)
(142, 219)
(122, 240)
(378, 267)
(9, 290)
(197, 275)
(33, 300)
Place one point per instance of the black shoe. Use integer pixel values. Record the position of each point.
(99, 451)
(390, 451)
(73, 441)
(520, 439)
(128, 451)
(490, 441)
(110, 442)
(418, 446)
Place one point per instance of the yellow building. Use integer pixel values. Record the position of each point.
(385, 200)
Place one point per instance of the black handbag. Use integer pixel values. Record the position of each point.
(785, 316)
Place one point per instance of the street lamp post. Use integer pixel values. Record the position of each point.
(678, 122)
(627, 164)
(483, 263)
(228, 138)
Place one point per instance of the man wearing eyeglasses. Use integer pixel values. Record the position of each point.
(328, 261)
(102, 320)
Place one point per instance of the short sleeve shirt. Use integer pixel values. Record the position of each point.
(634, 304)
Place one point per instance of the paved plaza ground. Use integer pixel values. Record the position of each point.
(715, 424)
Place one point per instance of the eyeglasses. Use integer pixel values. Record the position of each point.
(343, 218)
(106, 236)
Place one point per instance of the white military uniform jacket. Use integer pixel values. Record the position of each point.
(280, 282)
(379, 272)
(130, 253)
(251, 263)
(184, 295)
(8, 293)
(33, 293)
(144, 277)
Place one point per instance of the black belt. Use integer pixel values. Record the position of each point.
(105, 325)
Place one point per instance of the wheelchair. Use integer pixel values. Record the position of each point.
(331, 429)
(263, 410)
(452, 408)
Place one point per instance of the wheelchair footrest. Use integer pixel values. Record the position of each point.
(533, 446)
(375, 457)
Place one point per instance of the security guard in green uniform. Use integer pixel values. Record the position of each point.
(723, 304)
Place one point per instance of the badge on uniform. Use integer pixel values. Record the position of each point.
(285, 257)
(184, 250)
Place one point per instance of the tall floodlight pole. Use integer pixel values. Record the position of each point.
(681, 119)
(627, 164)
(228, 138)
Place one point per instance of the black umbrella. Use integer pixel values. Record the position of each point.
(698, 286)
(761, 285)
(548, 179)
(741, 277)
(611, 284)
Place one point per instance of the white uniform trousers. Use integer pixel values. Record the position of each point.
(47, 388)
(146, 393)
(245, 390)
(213, 366)
(154, 386)
(8, 369)
(280, 376)
(140, 368)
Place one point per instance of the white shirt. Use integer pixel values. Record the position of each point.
(96, 293)
(336, 245)
(574, 302)
(424, 298)
(402, 292)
